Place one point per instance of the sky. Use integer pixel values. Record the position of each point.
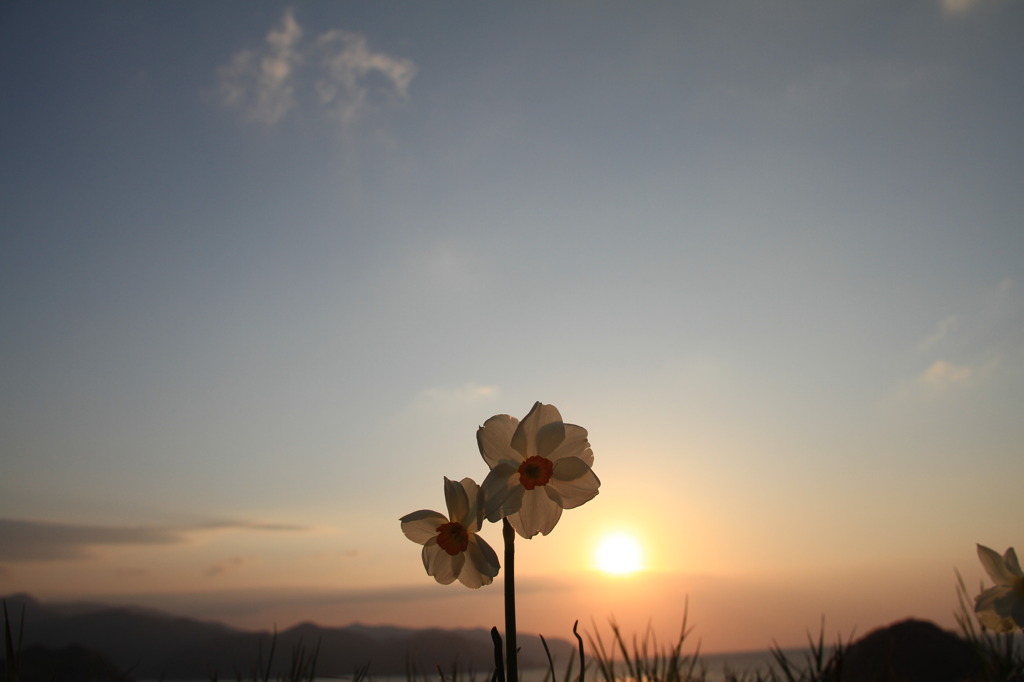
(265, 268)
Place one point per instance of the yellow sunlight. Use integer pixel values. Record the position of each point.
(618, 553)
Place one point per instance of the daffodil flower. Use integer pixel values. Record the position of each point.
(539, 466)
(451, 547)
(1001, 608)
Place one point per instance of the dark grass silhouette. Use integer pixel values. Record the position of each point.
(69, 664)
(153, 645)
(906, 651)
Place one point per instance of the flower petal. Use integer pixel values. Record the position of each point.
(995, 623)
(502, 493)
(997, 608)
(989, 599)
(995, 566)
(478, 571)
(421, 525)
(1010, 559)
(540, 432)
(578, 490)
(443, 566)
(575, 444)
(538, 514)
(510, 504)
(570, 468)
(483, 556)
(494, 439)
(1017, 612)
(554, 495)
(549, 437)
(1006, 603)
(471, 577)
(457, 499)
(475, 518)
(427, 554)
(458, 561)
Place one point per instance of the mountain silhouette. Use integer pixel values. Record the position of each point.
(910, 650)
(148, 644)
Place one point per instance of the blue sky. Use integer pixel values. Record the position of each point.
(264, 269)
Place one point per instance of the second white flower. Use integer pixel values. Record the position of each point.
(539, 466)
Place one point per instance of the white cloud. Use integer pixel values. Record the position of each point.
(985, 329)
(261, 84)
(354, 78)
(967, 346)
(953, 7)
(22, 540)
(451, 399)
(942, 330)
(337, 74)
(229, 565)
(942, 380)
(942, 375)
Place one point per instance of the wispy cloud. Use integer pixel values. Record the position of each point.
(942, 375)
(357, 604)
(42, 541)
(942, 331)
(988, 325)
(454, 398)
(336, 74)
(942, 379)
(132, 573)
(965, 347)
(247, 525)
(347, 86)
(955, 7)
(22, 540)
(229, 565)
(260, 83)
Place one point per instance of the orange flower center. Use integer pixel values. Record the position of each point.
(535, 471)
(453, 538)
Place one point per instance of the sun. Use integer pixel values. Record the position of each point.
(618, 553)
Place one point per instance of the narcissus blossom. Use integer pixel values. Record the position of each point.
(539, 466)
(451, 547)
(1001, 608)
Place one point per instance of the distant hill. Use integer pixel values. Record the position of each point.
(148, 644)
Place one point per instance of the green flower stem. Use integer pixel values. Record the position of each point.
(511, 664)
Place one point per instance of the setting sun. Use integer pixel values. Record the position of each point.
(618, 553)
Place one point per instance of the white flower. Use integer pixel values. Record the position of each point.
(539, 467)
(451, 547)
(1001, 608)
